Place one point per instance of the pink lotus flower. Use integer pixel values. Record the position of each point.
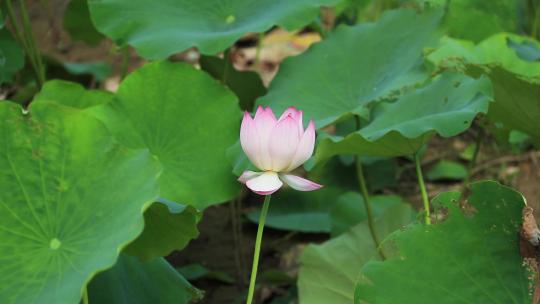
(276, 146)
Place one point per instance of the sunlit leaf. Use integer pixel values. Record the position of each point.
(187, 120)
(71, 199)
(72, 95)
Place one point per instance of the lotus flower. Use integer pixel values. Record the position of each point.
(276, 147)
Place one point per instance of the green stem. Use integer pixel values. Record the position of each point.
(32, 43)
(367, 200)
(258, 241)
(367, 205)
(85, 296)
(14, 24)
(425, 198)
(535, 24)
(26, 40)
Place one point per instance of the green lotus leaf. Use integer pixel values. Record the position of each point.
(187, 120)
(132, 281)
(194, 272)
(329, 271)
(493, 50)
(299, 211)
(446, 107)
(72, 94)
(71, 199)
(463, 259)
(349, 210)
(168, 226)
(516, 104)
(447, 170)
(355, 66)
(478, 19)
(171, 26)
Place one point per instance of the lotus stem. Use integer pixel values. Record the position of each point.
(26, 39)
(367, 200)
(258, 242)
(368, 206)
(423, 190)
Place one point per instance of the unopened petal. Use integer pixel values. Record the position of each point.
(305, 148)
(298, 183)
(247, 175)
(283, 143)
(264, 122)
(250, 140)
(265, 184)
(296, 115)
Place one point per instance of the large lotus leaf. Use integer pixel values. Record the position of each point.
(185, 118)
(495, 49)
(464, 259)
(300, 211)
(168, 226)
(238, 159)
(478, 19)
(355, 66)
(71, 199)
(131, 281)
(72, 94)
(165, 27)
(11, 56)
(329, 272)
(517, 103)
(78, 24)
(447, 107)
